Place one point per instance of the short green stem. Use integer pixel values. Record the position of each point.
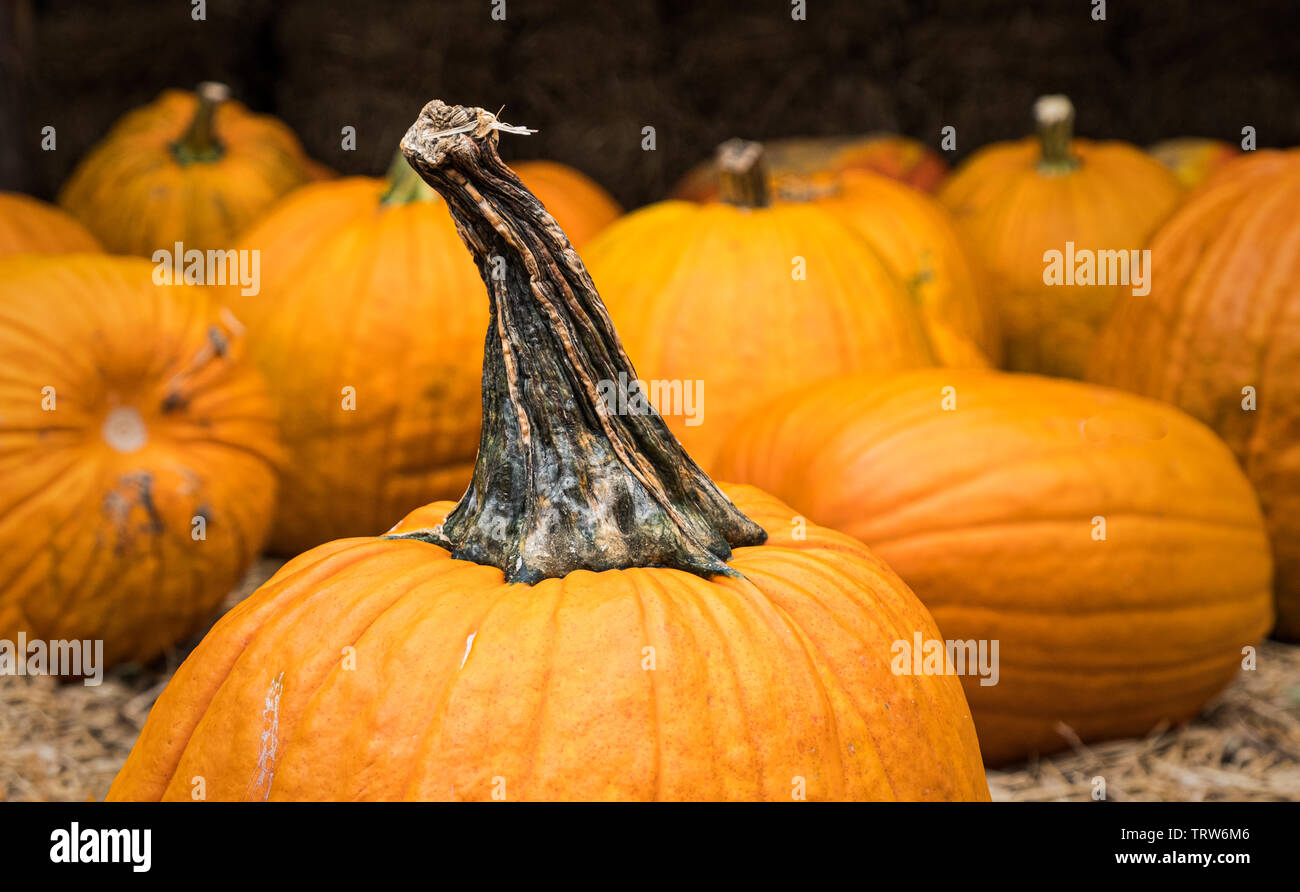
(199, 142)
(1054, 117)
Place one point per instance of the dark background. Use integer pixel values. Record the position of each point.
(589, 75)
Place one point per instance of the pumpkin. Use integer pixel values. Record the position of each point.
(1219, 336)
(1017, 201)
(918, 241)
(1192, 159)
(823, 159)
(595, 619)
(730, 303)
(136, 454)
(194, 168)
(30, 226)
(379, 415)
(1109, 544)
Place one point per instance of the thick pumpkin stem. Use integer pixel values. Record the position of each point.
(572, 472)
(404, 184)
(199, 141)
(1054, 116)
(742, 174)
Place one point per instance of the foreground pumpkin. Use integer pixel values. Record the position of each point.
(136, 449)
(1192, 159)
(823, 159)
(1108, 543)
(193, 168)
(379, 415)
(29, 226)
(1219, 336)
(1017, 201)
(594, 620)
(744, 299)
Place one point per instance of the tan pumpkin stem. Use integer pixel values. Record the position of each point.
(1054, 117)
(742, 174)
(199, 141)
(568, 477)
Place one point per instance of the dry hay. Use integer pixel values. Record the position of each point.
(67, 741)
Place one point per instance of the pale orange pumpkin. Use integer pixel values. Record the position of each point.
(1108, 544)
(195, 168)
(1017, 201)
(594, 620)
(378, 410)
(821, 160)
(30, 226)
(744, 299)
(136, 454)
(1192, 159)
(1219, 336)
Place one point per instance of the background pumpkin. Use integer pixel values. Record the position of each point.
(499, 666)
(1192, 159)
(1223, 315)
(189, 167)
(822, 159)
(1017, 200)
(919, 242)
(365, 285)
(988, 511)
(30, 226)
(709, 293)
(126, 412)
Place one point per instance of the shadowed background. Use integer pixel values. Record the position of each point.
(590, 75)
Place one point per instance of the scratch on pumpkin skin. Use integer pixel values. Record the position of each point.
(259, 785)
(469, 644)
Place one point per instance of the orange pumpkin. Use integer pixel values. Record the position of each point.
(823, 159)
(1108, 544)
(30, 226)
(920, 244)
(1193, 159)
(491, 662)
(1219, 336)
(1018, 201)
(379, 414)
(193, 168)
(136, 450)
(731, 303)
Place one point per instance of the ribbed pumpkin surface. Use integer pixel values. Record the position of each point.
(136, 197)
(29, 226)
(707, 293)
(1224, 315)
(987, 512)
(464, 685)
(1012, 213)
(150, 420)
(382, 299)
(919, 242)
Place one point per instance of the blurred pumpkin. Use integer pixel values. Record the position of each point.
(918, 240)
(136, 455)
(1017, 201)
(822, 159)
(30, 226)
(491, 662)
(747, 299)
(370, 334)
(1109, 544)
(1219, 336)
(194, 168)
(1192, 159)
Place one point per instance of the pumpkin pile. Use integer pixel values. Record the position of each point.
(811, 481)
